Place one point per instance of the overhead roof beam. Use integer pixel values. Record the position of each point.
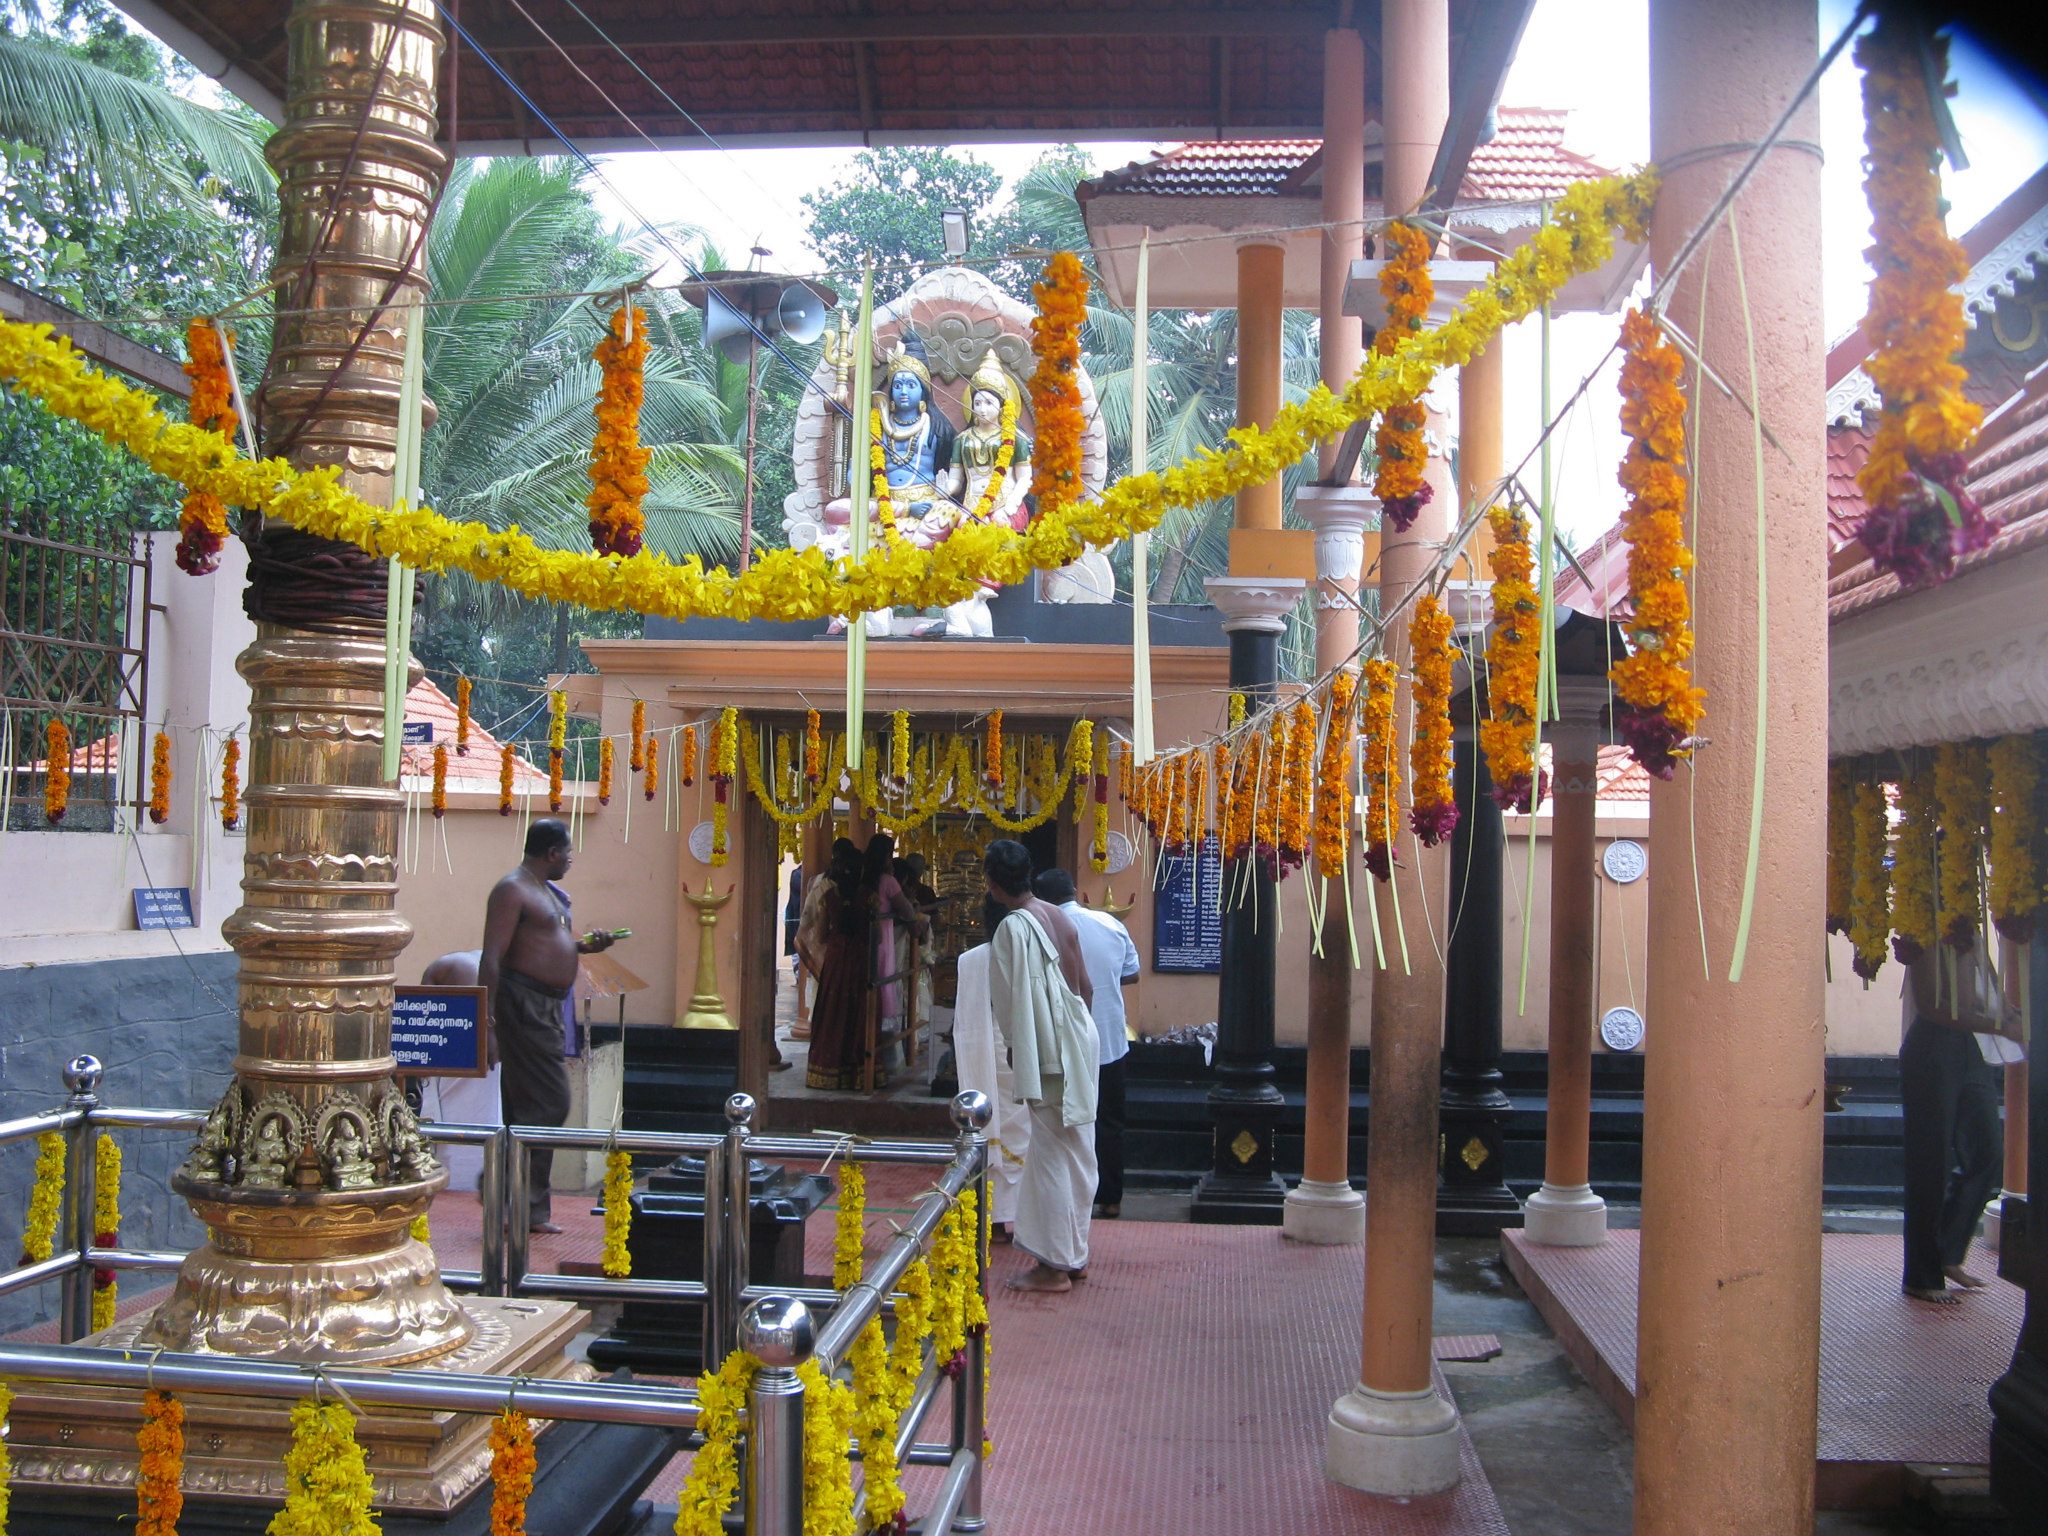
(1477, 75)
(146, 365)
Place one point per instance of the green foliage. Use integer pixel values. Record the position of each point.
(888, 208)
(46, 461)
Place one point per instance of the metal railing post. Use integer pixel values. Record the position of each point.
(972, 1113)
(518, 1174)
(777, 1331)
(490, 1189)
(719, 1321)
(82, 1076)
(736, 1213)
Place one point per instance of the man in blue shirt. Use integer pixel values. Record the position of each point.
(1111, 960)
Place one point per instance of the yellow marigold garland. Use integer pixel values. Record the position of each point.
(1962, 798)
(505, 779)
(462, 690)
(899, 745)
(327, 1484)
(2015, 830)
(875, 1415)
(618, 463)
(1380, 768)
(512, 1467)
(823, 789)
(1408, 290)
(792, 584)
(1841, 789)
(39, 1226)
(1333, 780)
(202, 520)
(1507, 736)
(1062, 298)
(650, 766)
(160, 1446)
(231, 784)
(1433, 809)
(618, 1212)
(1921, 518)
(56, 771)
(604, 771)
(828, 1475)
(1869, 909)
(106, 1228)
(6, 1461)
(849, 1226)
(635, 753)
(1916, 879)
(714, 1477)
(878, 468)
(160, 778)
(1659, 708)
(725, 746)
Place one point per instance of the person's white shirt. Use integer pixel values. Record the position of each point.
(1110, 959)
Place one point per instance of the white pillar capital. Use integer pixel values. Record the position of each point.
(1254, 602)
(1340, 515)
(1470, 605)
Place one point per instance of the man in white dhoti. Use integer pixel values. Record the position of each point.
(1038, 992)
(984, 1066)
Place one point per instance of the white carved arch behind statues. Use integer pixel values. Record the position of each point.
(959, 314)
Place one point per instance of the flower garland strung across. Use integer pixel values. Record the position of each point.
(56, 771)
(1513, 658)
(618, 1212)
(160, 1447)
(1333, 780)
(202, 520)
(558, 740)
(160, 778)
(1841, 789)
(106, 1228)
(461, 716)
(650, 764)
(1659, 707)
(1916, 881)
(725, 746)
(792, 584)
(1433, 809)
(1407, 290)
(823, 789)
(512, 1467)
(39, 1226)
(1869, 914)
(1962, 802)
(231, 784)
(505, 779)
(327, 1485)
(604, 771)
(618, 463)
(1380, 769)
(2015, 831)
(1056, 414)
(1921, 518)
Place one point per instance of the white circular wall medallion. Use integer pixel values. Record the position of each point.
(1119, 852)
(1621, 1029)
(1624, 861)
(700, 842)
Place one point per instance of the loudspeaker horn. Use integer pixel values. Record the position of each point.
(726, 329)
(800, 314)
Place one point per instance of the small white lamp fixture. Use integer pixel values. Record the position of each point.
(953, 221)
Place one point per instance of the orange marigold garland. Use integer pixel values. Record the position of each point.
(604, 771)
(231, 784)
(505, 779)
(650, 778)
(2015, 829)
(1298, 784)
(687, 748)
(1870, 906)
(1243, 792)
(160, 778)
(1921, 519)
(1175, 779)
(56, 771)
(1962, 801)
(992, 749)
(440, 780)
(160, 1442)
(1333, 780)
(1408, 290)
(203, 520)
(1658, 707)
(1270, 783)
(1507, 735)
(1916, 877)
(618, 464)
(636, 753)
(1380, 768)
(1433, 812)
(1057, 418)
(814, 747)
(462, 717)
(512, 1468)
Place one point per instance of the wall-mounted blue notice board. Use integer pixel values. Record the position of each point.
(439, 1031)
(1187, 913)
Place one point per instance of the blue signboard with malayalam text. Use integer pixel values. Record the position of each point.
(163, 906)
(419, 733)
(439, 1031)
(1187, 911)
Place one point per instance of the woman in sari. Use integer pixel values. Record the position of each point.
(837, 948)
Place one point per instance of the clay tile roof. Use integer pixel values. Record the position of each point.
(1525, 159)
(427, 702)
(1619, 780)
(1848, 447)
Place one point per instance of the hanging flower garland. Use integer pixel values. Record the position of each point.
(849, 1226)
(636, 753)
(231, 784)
(1869, 911)
(1298, 786)
(106, 1228)
(688, 748)
(604, 771)
(875, 1416)
(1056, 414)
(1916, 879)
(1333, 780)
(1198, 796)
(1408, 290)
(618, 463)
(1513, 658)
(160, 778)
(1380, 768)
(558, 739)
(202, 520)
(505, 779)
(828, 1475)
(160, 1446)
(1242, 819)
(713, 1482)
(1098, 857)
(823, 791)
(899, 746)
(461, 716)
(618, 1212)
(56, 771)
(1962, 799)
(1266, 812)
(46, 1197)
(513, 1463)
(327, 1484)
(650, 764)
(1841, 788)
(1659, 708)
(992, 749)
(814, 746)
(1174, 834)
(1921, 519)
(725, 748)
(2015, 830)
(878, 468)
(1433, 811)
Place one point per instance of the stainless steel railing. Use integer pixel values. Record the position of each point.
(776, 1325)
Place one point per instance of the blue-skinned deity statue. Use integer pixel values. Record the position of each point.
(916, 440)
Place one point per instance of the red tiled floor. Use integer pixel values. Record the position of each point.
(1899, 1381)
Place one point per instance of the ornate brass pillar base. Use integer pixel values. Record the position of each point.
(81, 1440)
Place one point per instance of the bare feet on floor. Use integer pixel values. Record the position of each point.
(1042, 1278)
(1002, 1232)
(1940, 1296)
(1963, 1277)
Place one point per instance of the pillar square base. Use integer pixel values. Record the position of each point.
(1568, 1217)
(1330, 1215)
(1400, 1444)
